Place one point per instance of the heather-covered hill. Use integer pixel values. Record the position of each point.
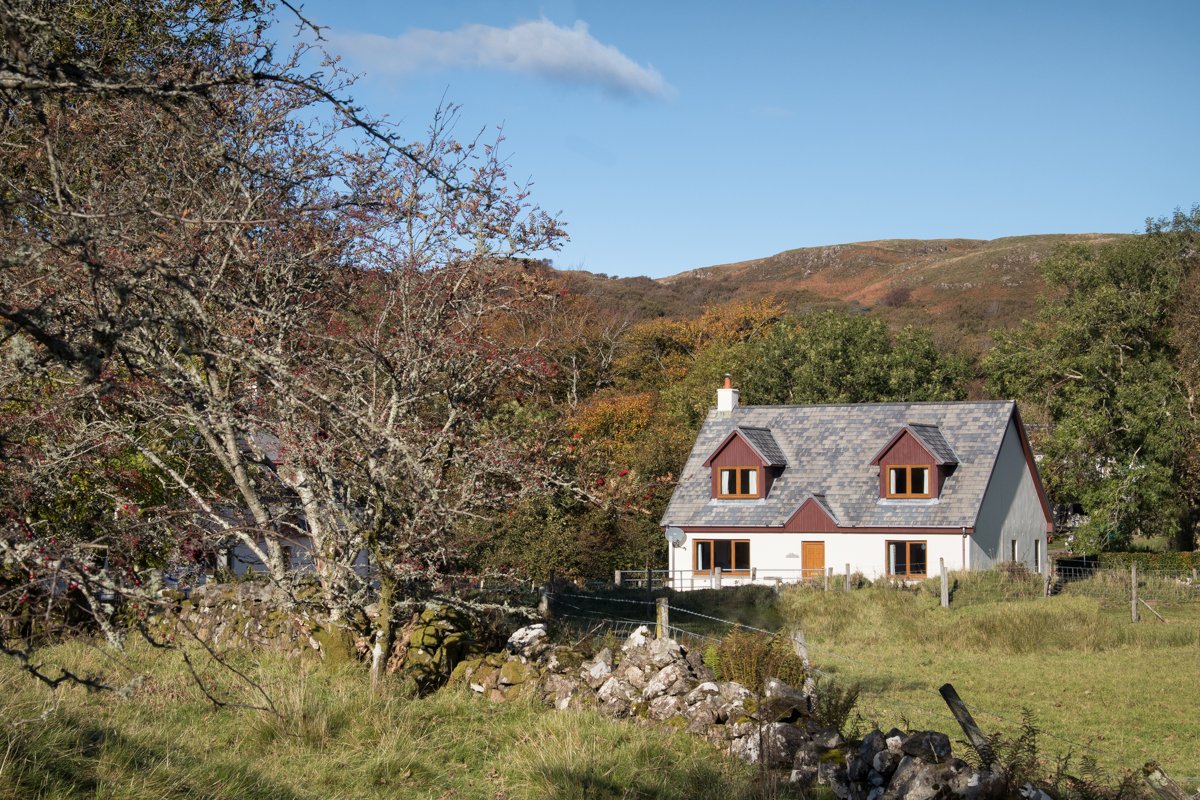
(960, 288)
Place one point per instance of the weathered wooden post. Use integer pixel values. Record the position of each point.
(617, 578)
(828, 575)
(1162, 784)
(753, 574)
(974, 735)
(662, 621)
(945, 584)
(846, 587)
(716, 574)
(649, 581)
(1048, 577)
(801, 646)
(1133, 608)
(544, 602)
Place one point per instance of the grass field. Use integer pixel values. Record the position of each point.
(331, 739)
(1097, 684)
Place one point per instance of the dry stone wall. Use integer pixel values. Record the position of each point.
(659, 681)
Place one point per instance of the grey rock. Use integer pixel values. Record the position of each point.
(595, 672)
(858, 769)
(915, 779)
(616, 696)
(827, 738)
(662, 652)
(804, 766)
(885, 762)
(871, 744)
(671, 679)
(833, 775)
(703, 691)
(772, 744)
(665, 707)
(528, 642)
(930, 746)
(638, 638)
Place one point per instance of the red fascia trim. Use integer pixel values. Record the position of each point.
(1037, 478)
(735, 529)
(725, 442)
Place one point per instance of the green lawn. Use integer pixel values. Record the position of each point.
(331, 739)
(1097, 684)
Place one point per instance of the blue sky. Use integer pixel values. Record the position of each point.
(674, 135)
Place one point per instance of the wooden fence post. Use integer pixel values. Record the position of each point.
(1162, 784)
(945, 584)
(617, 578)
(828, 575)
(1048, 577)
(846, 588)
(753, 574)
(1133, 592)
(662, 626)
(977, 738)
(801, 646)
(544, 602)
(716, 577)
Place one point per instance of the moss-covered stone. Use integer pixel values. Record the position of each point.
(514, 673)
(337, 646)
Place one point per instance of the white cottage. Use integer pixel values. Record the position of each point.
(789, 492)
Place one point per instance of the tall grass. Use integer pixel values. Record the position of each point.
(1098, 685)
(328, 738)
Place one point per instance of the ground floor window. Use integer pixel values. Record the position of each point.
(729, 555)
(907, 559)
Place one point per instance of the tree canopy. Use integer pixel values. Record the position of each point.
(1110, 363)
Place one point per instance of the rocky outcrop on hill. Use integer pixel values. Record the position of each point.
(661, 682)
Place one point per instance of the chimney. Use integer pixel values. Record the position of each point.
(727, 396)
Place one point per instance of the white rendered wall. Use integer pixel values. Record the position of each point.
(778, 555)
(1011, 509)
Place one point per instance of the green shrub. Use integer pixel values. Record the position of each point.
(1175, 561)
(750, 658)
(835, 701)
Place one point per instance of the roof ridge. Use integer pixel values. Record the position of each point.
(889, 403)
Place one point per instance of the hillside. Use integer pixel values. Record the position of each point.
(961, 288)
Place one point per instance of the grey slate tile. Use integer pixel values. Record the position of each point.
(828, 450)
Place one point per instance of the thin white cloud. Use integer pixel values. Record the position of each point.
(539, 47)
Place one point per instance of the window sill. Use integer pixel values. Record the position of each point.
(907, 502)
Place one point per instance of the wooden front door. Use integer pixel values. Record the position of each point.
(812, 560)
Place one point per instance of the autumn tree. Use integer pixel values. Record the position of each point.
(291, 320)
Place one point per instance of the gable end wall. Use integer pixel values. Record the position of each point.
(1011, 509)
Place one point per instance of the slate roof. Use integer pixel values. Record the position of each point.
(762, 441)
(931, 437)
(828, 451)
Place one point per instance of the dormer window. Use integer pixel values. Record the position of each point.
(908, 481)
(915, 463)
(737, 482)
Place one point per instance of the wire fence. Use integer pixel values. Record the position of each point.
(1111, 586)
(621, 616)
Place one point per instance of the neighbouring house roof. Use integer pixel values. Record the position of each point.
(828, 450)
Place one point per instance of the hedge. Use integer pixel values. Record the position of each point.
(1183, 560)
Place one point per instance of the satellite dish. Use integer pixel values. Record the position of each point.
(676, 536)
